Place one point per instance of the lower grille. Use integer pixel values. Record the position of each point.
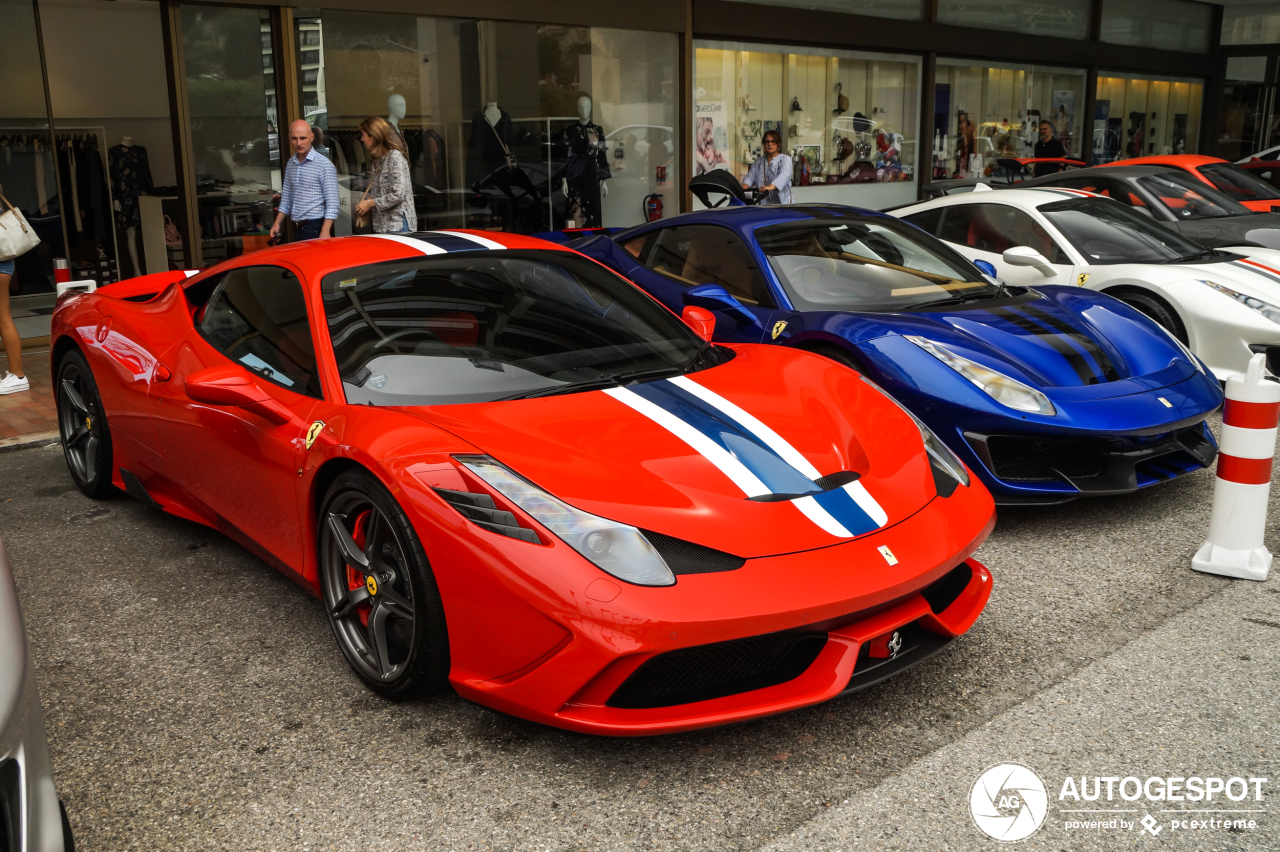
(1040, 460)
(943, 592)
(717, 670)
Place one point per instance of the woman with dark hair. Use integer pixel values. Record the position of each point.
(771, 172)
(390, 193)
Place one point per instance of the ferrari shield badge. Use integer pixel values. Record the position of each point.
(314, 432)
(1080, 281)
(778, 328)
(887, 554)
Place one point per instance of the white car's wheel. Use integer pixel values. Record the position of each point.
(1155, 307)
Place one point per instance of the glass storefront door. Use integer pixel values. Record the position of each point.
(28, 165)
(1248, 120)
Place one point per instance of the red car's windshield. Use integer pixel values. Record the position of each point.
(485, 326)
(1189, 198)
(1238, 183)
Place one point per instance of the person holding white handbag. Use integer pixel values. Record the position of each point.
(17, 237)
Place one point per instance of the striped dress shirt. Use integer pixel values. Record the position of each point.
(777, 172)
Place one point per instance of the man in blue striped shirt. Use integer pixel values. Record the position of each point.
(310, 193)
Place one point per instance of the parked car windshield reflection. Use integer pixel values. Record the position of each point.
(878, 265)
(483, 326)
(1107, 232)
(1188, 198)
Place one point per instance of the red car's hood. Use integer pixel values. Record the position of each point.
(681, 456)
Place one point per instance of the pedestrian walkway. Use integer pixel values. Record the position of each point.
(31, 412)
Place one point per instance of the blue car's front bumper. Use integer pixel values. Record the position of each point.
(1103, 439)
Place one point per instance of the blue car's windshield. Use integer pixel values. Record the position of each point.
(870, 265)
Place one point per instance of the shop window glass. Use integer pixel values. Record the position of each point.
(234, 136)
(848, 120)
(27, 162)
(110, 97)
(983, 113)
(705, 254)
(586, 116)
(996, 228)
(1167, 25)
(907, 10)
(1256, 22)
(1246, 115)
(1059, 18)
(257, 317)
(1141, 117)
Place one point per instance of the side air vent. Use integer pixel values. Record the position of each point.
(142, 297)
(685, 557)
(943, 592)
(481, 511)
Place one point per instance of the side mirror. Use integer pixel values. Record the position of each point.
(987, 267)
(1146, 211)
(230, 386)
(701, 320)
(713, 297)
(1027, 256)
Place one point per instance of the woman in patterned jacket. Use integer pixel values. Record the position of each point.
(390, 193)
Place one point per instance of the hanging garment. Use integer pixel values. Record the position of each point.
(490, 145)
(75, 186)
(130, 177)
(42, 195)
(586, 167)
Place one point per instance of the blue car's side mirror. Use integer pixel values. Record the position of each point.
(987, 267)
(715, 298)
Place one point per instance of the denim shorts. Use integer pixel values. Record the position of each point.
(6, 267)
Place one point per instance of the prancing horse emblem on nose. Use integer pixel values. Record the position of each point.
(895, 644)
(778, 328)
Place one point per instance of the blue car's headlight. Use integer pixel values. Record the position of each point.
(615, 548)
(1003, 389)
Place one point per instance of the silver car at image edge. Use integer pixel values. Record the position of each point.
(31, 816)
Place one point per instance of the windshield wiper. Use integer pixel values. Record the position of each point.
(1200, 255)
(607, 381)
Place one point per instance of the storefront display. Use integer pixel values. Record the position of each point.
(1138, 117)
(846, 118)
(985, 113)
(509, 126)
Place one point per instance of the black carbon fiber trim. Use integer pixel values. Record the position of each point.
(685, 557)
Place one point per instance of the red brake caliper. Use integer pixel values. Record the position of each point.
(355, 580)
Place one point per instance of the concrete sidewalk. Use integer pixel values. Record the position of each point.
(1195, 697)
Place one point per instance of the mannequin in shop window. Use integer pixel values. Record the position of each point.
(492, 166)
(583, 175)
(130, 177)
(489, 149)
(397, 109)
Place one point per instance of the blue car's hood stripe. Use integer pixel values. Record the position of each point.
(1061, 337)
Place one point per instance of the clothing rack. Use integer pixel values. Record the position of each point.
(50, 136)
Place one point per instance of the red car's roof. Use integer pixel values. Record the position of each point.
(1181, 161)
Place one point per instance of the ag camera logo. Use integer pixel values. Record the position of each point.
(1008, 802)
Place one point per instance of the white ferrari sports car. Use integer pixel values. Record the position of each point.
(1222, 303)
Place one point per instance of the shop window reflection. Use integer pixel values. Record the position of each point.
(1142, 117)
(492, 116)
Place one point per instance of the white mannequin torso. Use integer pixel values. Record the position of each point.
(492, 114)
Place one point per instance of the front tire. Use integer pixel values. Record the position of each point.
(82, 423)
(379, 592)
(1156, 309)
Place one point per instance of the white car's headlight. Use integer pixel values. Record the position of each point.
(615, 548)
(1003, 389)
(1267, 309)
(940, 455)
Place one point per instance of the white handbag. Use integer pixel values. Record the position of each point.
(17, 237)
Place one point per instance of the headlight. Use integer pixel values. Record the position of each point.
(1267, 309)
(941, 459)
(615, 548)
(998, 386)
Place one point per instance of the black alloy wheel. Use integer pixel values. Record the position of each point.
(379, 592)
(82, 423)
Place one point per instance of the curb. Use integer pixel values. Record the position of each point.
(23, 442)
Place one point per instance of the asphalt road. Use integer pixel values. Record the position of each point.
(195, 699)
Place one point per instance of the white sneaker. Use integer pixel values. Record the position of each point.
(12, 384)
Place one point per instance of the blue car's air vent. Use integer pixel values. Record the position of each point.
(685, 557)
(481, 511)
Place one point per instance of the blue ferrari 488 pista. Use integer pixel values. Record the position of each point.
(1047, 393)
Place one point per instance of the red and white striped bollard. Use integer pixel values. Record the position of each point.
(1238, 519)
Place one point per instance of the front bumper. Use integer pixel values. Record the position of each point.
(851, 597)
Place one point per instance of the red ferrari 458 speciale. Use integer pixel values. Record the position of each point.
(502, 466)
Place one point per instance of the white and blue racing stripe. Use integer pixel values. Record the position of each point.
(441, 242)
(754, 457)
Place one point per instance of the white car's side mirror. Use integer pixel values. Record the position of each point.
(1027, 256)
